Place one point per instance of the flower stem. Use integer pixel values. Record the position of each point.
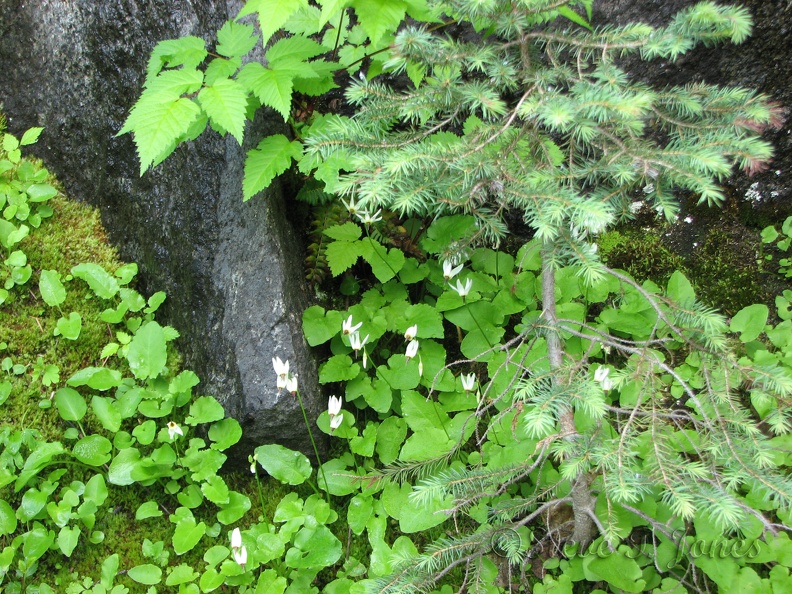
(315, 449)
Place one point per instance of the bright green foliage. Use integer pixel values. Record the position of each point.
(187, 88)
(782, 242)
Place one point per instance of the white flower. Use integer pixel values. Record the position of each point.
(240, 556)
(253, 459)
(463, 290)
(449, 271)
(601, 376)
(174, 430)
(355, 342)
(365, 358)
(335, 421)
(351, 206)
(468, 381)
(334, 405)
(367, 218)
(282, 371)
(291, 383)
(348, 328)
(420, 366)
(411, 332)
(412, 349)
(236, 539)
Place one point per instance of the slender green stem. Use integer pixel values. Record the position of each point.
(315, 449)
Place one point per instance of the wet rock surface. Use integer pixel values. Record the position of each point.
(232, 270)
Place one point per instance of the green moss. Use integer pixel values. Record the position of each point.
(641, 253)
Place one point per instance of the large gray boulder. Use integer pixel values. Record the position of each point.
(232, 270)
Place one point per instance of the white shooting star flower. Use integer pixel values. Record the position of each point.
(174, 430)
(411, 332)
(291, 384)
(240, 556)
(355, 342)
(351, 206)
(348, 328)
(236, 539)
(468, 381)
(412, 349)
(334, 405)
(367, 218)
(449, 271)
(463, 290)
(601, 376)
(335, 422)
(282, 371)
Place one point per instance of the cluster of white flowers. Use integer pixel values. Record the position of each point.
(449, 272)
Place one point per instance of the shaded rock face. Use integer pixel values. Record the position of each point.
(761, 63)
(231, 269)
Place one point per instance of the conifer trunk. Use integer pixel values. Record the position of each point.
(582, 499)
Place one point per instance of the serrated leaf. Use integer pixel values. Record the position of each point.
(52, 291)
(272, 14)
(30, 136)
(235, 39)
(295, 48)
(270, 158)
(378, 17)
(174, 83)
(342, 255)
(101, 282)
(147, 353)
(347, 232)
(158, 126)
(331, 8)
(225, 103)
(220, 68)
(272, 87)
(187, 51)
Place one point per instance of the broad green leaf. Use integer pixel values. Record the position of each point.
(96, 490)
(70, 404)
(98, 378)
(225, 433)
(270, 158)
(340, 478)
(52, 291)
(237, 506)
(70, 327)
(618, 569)
(40, 193)
(8, 520)
(37, 542)
(215, 490)
(108, 413)
(205, 410)
(36, 460)
(358, 512)
(234, 39)
(109, 570)
(147, 353)
(225, 103)
(314, 548)
(318, 326)
(149, 509)
(181, 574)
(5, 391)
(146, 574)
(67, 539)
(187, 535)
(679, 289)
(93, 450)
(750, 321)
(101, 282)
(286, 465)
(385, 263)
(390, 437)
(123, 465)
(272, 14)
(339, 368)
